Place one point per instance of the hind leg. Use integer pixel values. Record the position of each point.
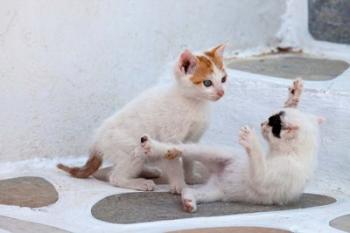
(175, 175)
(124, 174)
(172, 166)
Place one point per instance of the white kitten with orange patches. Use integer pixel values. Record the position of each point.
(177, 114)
(276, 177)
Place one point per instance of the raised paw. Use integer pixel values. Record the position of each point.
(295, 91)
(297, 87)
(246, 137)
(172, 154)
(188, 205)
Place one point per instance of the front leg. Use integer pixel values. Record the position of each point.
(214, 158)
(295, 92)
(257, 163)
(171, 166)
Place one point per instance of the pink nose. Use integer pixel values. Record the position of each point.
(221, 93)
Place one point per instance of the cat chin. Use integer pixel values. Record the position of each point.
(215, 98)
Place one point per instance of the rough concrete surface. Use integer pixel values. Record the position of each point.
(155, 206)
(330, 20)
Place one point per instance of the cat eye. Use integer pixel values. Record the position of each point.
(224, 79)
(207, 83)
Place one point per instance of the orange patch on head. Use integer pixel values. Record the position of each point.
(204, 67)
(216, 57)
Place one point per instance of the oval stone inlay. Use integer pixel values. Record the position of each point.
(291, 66)
(233, 230)
(155, 206)
(27, 191)
(14, 225)
(341, 223)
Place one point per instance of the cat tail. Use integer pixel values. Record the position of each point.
(91, 166)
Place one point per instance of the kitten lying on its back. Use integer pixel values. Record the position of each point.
(177, 113)
(277, 177)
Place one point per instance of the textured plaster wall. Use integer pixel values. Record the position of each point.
(67, 65)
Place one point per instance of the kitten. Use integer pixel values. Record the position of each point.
(176, 113)
(276, 177)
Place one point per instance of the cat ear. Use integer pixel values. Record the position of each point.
(187, 63)
(218, 51)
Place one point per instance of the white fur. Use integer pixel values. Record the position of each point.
(174, 113)
(276, 177)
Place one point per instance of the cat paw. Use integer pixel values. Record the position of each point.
(296, 88)
(137, 184)
(295, 91)
(246, 137)
(188, 205)
(147, 185)
(172, 154)
(144, 185)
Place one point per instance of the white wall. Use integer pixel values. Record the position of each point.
(66, 65)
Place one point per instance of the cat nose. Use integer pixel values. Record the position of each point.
(220, 93)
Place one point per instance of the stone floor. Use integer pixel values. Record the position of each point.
(341, 223)
(125, 208)
(290, 66)
(27, 192)
(19, 226)
(129, 208)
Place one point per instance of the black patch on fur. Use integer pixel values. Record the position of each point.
(276, 123)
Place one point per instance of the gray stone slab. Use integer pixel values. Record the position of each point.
(155, 206)
(329, 20)
(233, 230)
(341, 223)
(291, 66)
(27, 191)
(14, 225)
